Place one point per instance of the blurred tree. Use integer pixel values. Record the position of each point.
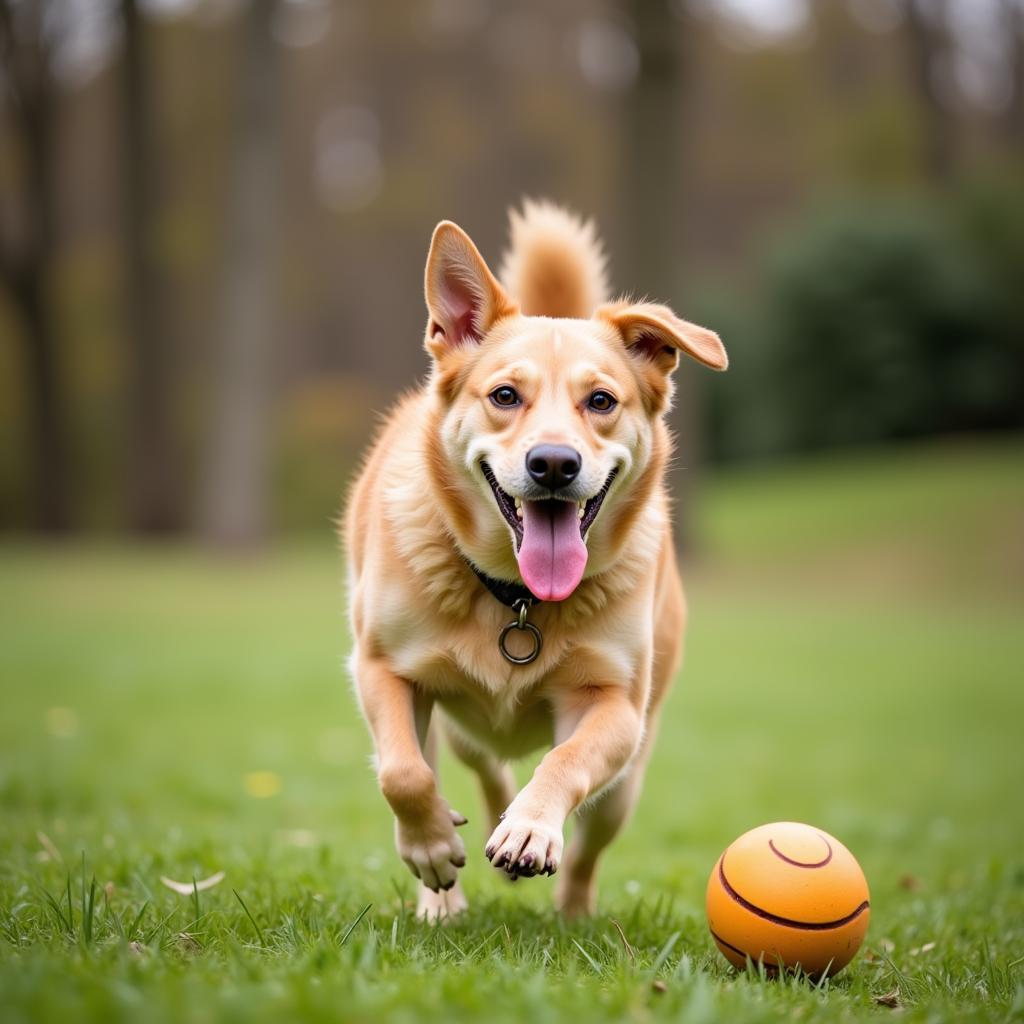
(928, 48)
(1012, 12)
(234, 499)
(28, 35)
(653, 186)
(155, 491)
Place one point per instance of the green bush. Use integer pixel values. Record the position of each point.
(875, 321)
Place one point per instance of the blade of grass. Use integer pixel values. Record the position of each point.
(351, 928)
(136, 924)
(259, 931)
(586, 956)
(158, 927)
(665, 952)
(88, 906)
(58, 911)
(71, 912)
(625, 942)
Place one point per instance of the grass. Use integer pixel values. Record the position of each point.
(854, 660)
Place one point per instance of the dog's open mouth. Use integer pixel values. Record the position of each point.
(549, 537)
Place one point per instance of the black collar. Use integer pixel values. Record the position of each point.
(507, 592)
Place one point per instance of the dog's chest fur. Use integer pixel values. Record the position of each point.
(507, 706)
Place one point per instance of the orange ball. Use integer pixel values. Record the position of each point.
(791, 895)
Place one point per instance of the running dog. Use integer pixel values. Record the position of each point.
(512, 577)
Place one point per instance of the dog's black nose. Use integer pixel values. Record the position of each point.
(553, 465)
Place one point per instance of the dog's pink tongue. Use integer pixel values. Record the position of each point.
(552, 556)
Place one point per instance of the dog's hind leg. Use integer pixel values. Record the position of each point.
(430, 905)
(497, 783)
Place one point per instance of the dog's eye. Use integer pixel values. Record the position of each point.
(602, 401)
(505, 396)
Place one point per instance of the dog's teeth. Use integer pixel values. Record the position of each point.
(581, 510)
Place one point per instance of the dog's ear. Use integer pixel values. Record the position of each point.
(655, 335)
(464, 299)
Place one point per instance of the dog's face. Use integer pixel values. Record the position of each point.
(548, 428)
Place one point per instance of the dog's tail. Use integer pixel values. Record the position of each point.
(555, 264)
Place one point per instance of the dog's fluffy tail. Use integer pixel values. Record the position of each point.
(555, 264)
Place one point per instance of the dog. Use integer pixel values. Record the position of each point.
(511, 571)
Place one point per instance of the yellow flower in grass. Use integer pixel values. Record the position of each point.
(262, 784)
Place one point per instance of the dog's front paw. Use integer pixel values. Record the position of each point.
(431, 849)
(523, 845)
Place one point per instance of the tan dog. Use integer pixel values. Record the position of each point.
(522, 483)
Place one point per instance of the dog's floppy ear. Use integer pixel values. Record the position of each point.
(464, 298)
(654, 334)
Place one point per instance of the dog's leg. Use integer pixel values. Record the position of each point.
(430, 905)
(497, 783)
(399, 716)
(597, 824)
(602, 727)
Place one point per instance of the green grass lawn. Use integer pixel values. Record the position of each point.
(856, 660)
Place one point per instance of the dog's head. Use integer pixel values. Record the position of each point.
(548, 433)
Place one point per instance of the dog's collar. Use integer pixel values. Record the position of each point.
(520, 600)
(508, 592)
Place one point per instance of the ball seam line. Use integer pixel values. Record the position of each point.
(799, 863)
(785, 921)
(739, 952)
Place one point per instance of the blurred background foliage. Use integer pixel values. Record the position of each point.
(214, 216)
(879, 320)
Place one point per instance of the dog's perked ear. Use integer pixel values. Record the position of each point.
(464, 299)
(656, 335)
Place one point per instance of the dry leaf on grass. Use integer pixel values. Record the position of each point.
(187, 888)
(890, 999)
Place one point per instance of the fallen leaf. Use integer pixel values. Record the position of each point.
(910, 882)
(189, 943)
(659, 986)
(890, 999)
(186, 888)
(927, 947)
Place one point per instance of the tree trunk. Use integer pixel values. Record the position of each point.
(50, 497)
(653, 187)
(154, 488)
(234, 498)
(26, 263)
(927, 44)
(1013, 117)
